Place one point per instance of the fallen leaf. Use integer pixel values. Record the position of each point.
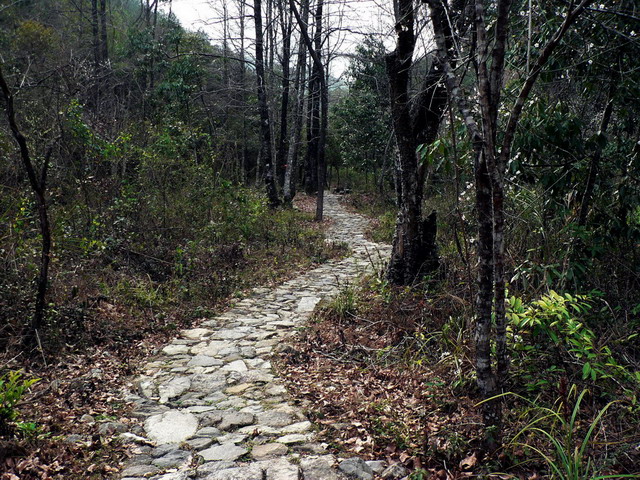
(469, 462)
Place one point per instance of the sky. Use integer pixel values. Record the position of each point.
(350, 20)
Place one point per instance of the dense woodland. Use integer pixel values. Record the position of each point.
(150, 175)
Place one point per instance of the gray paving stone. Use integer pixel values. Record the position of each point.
(228, 452)
(268, 450)
(356, 468)
(171, 427)
(232, 420)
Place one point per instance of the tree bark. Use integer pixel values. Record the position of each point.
(281, 156)
(296, 135)
(319, 74)
(414, 251)
(38, 185)
(263, 106)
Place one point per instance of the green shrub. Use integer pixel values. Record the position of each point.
(558, 320)
(12, 388)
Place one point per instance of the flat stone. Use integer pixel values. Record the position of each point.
(171, 427)
(257, 376)
(195, 333)
(320, 468)
(230, 334)
(299, 427)
(210, 418)
(173, 349)
(357, 468)
(201, 408)
(173, 459)
(208, 468)
(274, 418)
(138, 470)
(395, 471)
(209, 432)
(249, 472)
(180, 475)
(281, 469)
(232, 438)
(204, 361)
(173, 388)
(238, 389)
(236, 366)
(307, 304)
(377, 466)
(200, 443)
(208, 382)
(232, 420)
(227, 452)
(293, 438)
(267, 450)
(212, 348)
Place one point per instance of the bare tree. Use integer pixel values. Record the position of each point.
(38, 183)
(492, 150)
(322, 115)
(266, 151)
(298, 113)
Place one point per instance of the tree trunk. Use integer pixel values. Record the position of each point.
(323, 90)
(104, 46)
(414, 250)
(296, 136)
(38, 185)
(490, 167)
(594, 165)
(313, 133)
(263, 106)
(281, 157)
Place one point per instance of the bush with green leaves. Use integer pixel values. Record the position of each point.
(13, 387)
(553, 329)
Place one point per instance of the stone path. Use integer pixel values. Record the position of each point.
(211, 404)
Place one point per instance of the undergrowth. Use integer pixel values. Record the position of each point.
(397, 363)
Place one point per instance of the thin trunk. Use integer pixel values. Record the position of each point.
(487, 382)
(243, 88)
(296, 136)
(319, 73)
(104, 46)
(595, 159)
(310, 168)
(95, 37)
(263, 106)
(38, 185)
(152, 68)
(281, 157)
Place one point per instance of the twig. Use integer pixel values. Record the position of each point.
(40, 347)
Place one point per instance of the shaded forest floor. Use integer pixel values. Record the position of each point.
(95, 343)
(387, 373)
